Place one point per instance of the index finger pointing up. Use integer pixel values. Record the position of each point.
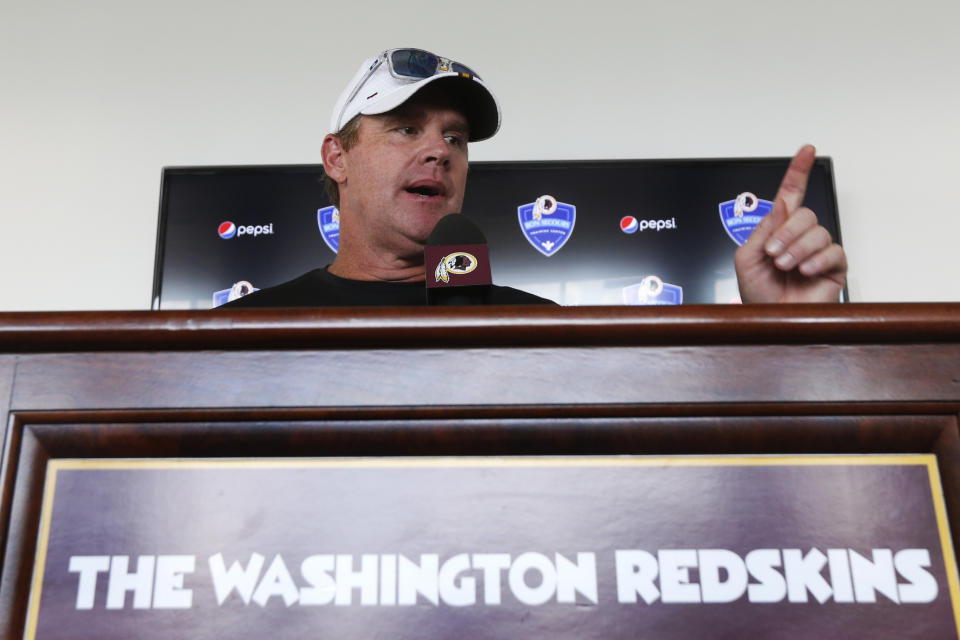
(794, 184)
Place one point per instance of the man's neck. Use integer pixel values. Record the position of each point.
(353, 267)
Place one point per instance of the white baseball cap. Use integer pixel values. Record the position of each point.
(386, 81)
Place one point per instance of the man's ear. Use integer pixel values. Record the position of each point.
(334, 158)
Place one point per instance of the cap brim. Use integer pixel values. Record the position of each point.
(480, 106)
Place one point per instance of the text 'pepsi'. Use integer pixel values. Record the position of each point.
(228, 230)
(255, 230)
(658, 225)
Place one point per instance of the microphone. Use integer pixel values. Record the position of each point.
(457, 263)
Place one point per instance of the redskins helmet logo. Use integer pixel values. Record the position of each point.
(544, 206)
(745, 203)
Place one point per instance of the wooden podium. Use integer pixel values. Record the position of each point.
(861, 378)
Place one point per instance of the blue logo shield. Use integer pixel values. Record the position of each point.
(741, 215)
(547, 223)
(328, 219)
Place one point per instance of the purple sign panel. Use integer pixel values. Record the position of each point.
(619, 547)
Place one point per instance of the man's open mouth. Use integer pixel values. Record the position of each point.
(425, 190)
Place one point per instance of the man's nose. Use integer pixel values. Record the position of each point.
(436, 149)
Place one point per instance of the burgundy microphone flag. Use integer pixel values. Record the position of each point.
(456, 254)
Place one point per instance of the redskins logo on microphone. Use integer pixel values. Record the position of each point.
(459, 262)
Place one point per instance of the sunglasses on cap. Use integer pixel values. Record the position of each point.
(412, 64)
(420, 64)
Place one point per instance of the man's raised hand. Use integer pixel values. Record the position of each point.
(789, 257)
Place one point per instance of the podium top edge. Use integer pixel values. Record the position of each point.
(514, 326)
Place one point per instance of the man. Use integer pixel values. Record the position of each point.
(397, 164)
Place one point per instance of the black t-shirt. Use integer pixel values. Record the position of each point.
(320, 288)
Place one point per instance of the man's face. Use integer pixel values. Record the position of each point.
(407, 170)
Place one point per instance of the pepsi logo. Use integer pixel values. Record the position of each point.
(629, 224)
(227, 230)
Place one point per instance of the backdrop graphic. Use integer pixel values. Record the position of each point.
(606, 228)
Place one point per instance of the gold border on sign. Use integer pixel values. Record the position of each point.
(949, 559)
(40, 559)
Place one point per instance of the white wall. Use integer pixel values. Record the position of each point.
(97, 96)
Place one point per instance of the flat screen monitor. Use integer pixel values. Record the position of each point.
(614, 232)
